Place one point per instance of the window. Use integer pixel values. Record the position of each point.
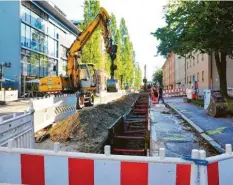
(28, 37)
(187, 65)
(197, 58)
(56, 32)
(193, 62)
(202, 76)
(51, 29)
(23, 34)
(202, 56)
(23, 13)
(43, 66)
(51, 64)
(194, 78)
(51, 47)
(197, 77)
(62, 67)
(35, 36)
(56, 49)
(34, 64)
(63, 52)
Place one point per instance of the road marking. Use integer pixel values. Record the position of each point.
(216, 131)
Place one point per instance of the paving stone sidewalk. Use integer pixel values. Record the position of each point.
(218, 131)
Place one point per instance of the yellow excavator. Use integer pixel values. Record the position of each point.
(82, 78)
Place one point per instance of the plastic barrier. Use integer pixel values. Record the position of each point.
(174, 93)
(24, 166)
(8, 96)
(52, 109)
(29, 166)
(2, 96)
(17, 126)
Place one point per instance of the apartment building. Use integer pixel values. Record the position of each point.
(198, 69)
(168, 72)
(180, 73)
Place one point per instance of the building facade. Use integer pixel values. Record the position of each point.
(198, 69)
(34, 37)
(180, 81)
(165, 74)
(169, 72)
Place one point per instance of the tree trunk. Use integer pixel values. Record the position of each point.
(221, 64)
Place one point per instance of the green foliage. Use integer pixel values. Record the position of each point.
(91, 52)
(158, 77)
(125, 56)
(127, 53)
(204, 27)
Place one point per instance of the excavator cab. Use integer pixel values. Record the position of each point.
(87, 76)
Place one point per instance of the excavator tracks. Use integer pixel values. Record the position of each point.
(129, 135)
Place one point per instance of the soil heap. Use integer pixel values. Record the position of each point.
(88, 127)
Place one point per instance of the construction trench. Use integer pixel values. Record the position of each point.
(127, 126)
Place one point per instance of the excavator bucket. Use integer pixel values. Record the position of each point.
(112, 85)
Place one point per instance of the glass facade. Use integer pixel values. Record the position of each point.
(40, 37)
(38, 65)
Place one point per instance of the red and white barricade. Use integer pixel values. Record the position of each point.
(41, 167)
(174, 93)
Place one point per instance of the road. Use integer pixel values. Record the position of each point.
(218, 131)
(20, 106)
(13, 107)
(171, 132)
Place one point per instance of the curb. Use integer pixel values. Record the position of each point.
(206, 137)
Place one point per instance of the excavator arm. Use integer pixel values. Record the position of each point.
(102, 19)
(57, 84)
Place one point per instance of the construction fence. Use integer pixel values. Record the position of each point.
(41, 167)
(49, 110)
(174, 93)
(19, 127)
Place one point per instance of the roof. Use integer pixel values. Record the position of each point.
(57, 13)
(76, 22)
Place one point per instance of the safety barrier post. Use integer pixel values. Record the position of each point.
(162, 153)
(228, 149)
(194, 168)
(10, 143)
(203, 169)
(107, 150)
(56, 147)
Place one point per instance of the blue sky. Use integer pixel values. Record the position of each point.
(142, 17)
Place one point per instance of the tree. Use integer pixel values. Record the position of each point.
(138, 77)
(205, 27)
(158, 77)
(91, 52)
(127, 53)
(117, 40)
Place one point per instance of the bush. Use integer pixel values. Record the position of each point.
(199, 102)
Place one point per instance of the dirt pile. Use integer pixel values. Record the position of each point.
(90, 125)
